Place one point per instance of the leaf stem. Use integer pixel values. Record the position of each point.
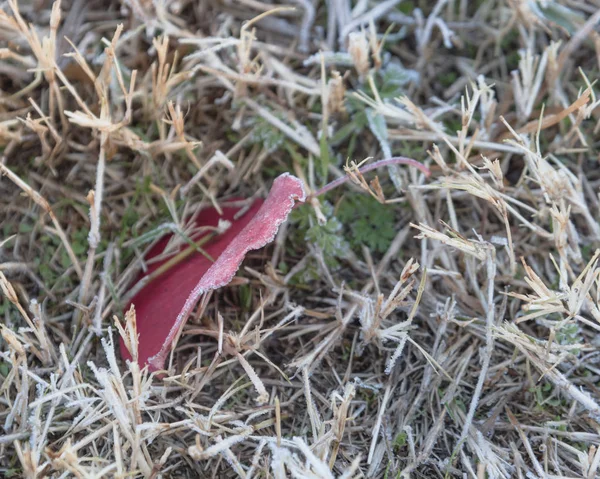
(396, 160)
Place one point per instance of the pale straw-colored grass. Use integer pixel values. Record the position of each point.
(467, 346)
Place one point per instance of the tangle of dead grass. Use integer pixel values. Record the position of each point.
(449, 328)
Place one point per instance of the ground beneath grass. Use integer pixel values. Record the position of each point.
(413, 325)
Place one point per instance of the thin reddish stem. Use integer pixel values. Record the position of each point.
(396, 160)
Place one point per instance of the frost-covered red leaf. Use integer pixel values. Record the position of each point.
(163, 306)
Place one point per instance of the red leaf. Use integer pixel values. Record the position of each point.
(163, 306)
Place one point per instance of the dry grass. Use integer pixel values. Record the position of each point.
(408, 327)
